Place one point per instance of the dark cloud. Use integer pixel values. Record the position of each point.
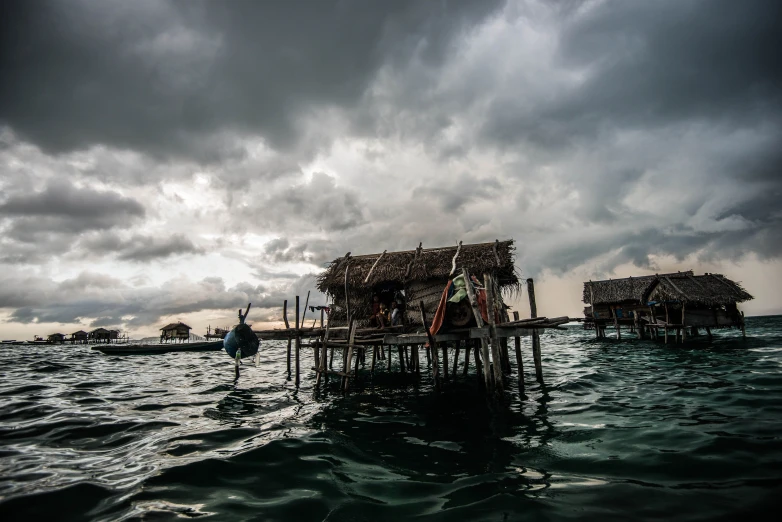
(138, 247)
(171, 78)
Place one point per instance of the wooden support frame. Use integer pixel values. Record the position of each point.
(432, 347)
(479, 322)
(488, 283)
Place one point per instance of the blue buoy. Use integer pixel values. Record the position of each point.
(241, 340)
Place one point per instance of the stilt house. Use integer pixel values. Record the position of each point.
(409, 277)
(79, 337)
(679, 301)
(100, 335)
(56, 338)
(175, 332)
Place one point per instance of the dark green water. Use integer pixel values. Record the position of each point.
(621, 430)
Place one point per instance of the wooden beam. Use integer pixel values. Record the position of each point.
(366, 279)
(453, 261)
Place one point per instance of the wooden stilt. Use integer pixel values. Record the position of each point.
(477, 345)
(466, 357)
(743, 327)
(519, 363)
(708, 333)
(484, 346)
(445, 360)
(666, 323)
(401, 358)
(388, 366)
(456, 356)
(407, 358)
(432, 345)
(684, 327)
(495, 345)
(348, 359)
(535, 334)
(298, 344)
(323, 353)
(287, 327)
(374, 357)
(616, 324)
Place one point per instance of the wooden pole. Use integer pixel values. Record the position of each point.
(666, 323)
(535, 335)
(456, 357)
(708, 332)
(298, 342)
(401, 351)
(287, 327)
(466, 357)
(324, 348)
(488, 283)
(374, 357)
(616, 324)
(517, 343)
(684, 328)
(479, 322)
(349, 356)
(743, 327)
(432, 346)
(445, 360)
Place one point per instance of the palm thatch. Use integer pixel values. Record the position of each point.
(424, 265)
(421, 274)
(709, 289)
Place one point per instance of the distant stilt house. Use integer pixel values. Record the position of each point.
(410, 277)
(100, 335)
(113, 335)
(664, 304)
(56, 338)
(175, 332)
(79, 337)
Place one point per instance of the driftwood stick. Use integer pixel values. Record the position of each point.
(495, 344)
(453, 261)
(366, 279)
(432, 347)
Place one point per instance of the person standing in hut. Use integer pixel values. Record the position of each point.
(396, 314)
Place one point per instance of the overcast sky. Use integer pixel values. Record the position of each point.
(174, 160)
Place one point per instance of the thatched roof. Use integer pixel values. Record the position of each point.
(99, 331)
(709, 289)
(424, 264)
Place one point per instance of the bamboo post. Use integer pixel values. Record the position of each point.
(390, 349)
(517, 343)
(616, 324)
(684, 328)
(349, 356)
(374, 358)
(287, 327)
(445, 360)
(743, 327)
(456, 357)
(466, 357)
(495, 345)
(298, 342)
(323, 353)
(432, 346)
(533, 308)
(417, 359)
(666, 323)
(401, 350)
(479, 322)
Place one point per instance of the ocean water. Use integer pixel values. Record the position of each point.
(620, 430)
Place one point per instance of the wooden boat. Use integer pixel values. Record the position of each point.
(152, 349)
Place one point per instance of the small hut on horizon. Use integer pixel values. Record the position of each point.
(410, 276)
(679, 301)
(79, 337)
(56, 338)
(178, 331)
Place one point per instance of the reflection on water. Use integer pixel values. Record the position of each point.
(621, 428)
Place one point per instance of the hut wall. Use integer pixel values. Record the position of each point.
(427, 291)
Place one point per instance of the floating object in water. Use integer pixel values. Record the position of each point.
(241, 341)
